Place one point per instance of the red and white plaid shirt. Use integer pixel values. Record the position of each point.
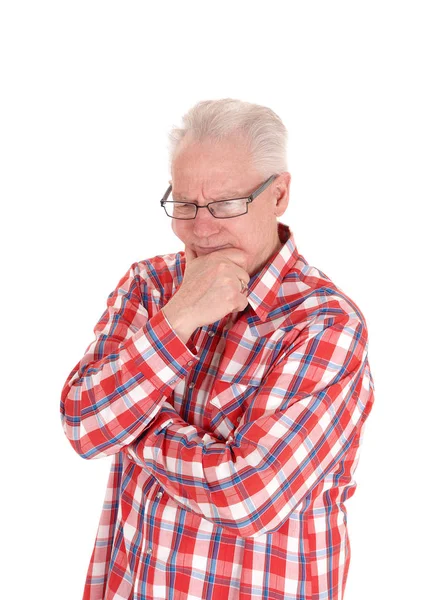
(233, 454)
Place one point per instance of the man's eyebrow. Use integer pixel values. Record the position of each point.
(225, 195)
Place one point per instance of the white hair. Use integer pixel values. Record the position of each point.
(218, 120)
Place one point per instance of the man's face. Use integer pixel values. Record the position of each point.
(203, 172)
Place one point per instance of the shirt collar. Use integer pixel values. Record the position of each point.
(263, 287)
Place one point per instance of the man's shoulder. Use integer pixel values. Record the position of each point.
(315, 292)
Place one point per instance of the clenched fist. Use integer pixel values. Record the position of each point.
(211, 288)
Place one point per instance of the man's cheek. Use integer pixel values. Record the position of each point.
(176, 229)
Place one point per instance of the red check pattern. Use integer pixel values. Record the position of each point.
(234, 454)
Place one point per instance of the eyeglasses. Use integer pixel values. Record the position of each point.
(220, 209)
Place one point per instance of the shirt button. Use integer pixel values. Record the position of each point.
(211, 333)
(190, 362)
(239, 419)
(191, 385)
(159, 494)
(149, 550)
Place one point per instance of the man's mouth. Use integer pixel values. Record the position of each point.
(209, 249)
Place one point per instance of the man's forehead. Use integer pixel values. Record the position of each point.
(225, 192)
(189, 184)
(221, 169)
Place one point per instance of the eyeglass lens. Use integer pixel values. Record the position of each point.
(221, 209)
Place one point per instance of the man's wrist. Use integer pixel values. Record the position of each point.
(179, 321)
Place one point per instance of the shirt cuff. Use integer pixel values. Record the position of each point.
(159, 354)
(189, 343)
(166, 416)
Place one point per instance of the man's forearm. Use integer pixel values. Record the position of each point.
(107, 403)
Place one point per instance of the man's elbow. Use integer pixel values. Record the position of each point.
(86, 451)
(82, 443)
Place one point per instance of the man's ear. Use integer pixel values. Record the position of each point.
(282, 185)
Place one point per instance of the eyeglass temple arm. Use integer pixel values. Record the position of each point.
(168, 191)
(262, 188)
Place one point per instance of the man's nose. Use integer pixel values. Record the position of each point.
(204, 223)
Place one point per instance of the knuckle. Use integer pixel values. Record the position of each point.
(222, 266)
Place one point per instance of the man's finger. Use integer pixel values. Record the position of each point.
(235, 255)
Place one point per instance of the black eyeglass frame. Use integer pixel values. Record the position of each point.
(248, 199)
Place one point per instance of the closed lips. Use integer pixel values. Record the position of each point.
(211, 248)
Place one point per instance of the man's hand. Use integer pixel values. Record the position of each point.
(211, 288)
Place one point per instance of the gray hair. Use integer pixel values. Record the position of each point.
(218, 120)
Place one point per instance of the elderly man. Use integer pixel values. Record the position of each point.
(230, 383)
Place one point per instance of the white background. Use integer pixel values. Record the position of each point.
(89, 91)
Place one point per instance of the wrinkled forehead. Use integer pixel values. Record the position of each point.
(223, 166)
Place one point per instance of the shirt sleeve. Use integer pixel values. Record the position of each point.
(299, 425)
(127, 372)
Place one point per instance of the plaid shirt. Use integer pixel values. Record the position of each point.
(233, 454)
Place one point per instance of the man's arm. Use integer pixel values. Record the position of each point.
(298, 426)
(127, 372)
(134, 363)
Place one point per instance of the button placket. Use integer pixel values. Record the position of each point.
(151, 503)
